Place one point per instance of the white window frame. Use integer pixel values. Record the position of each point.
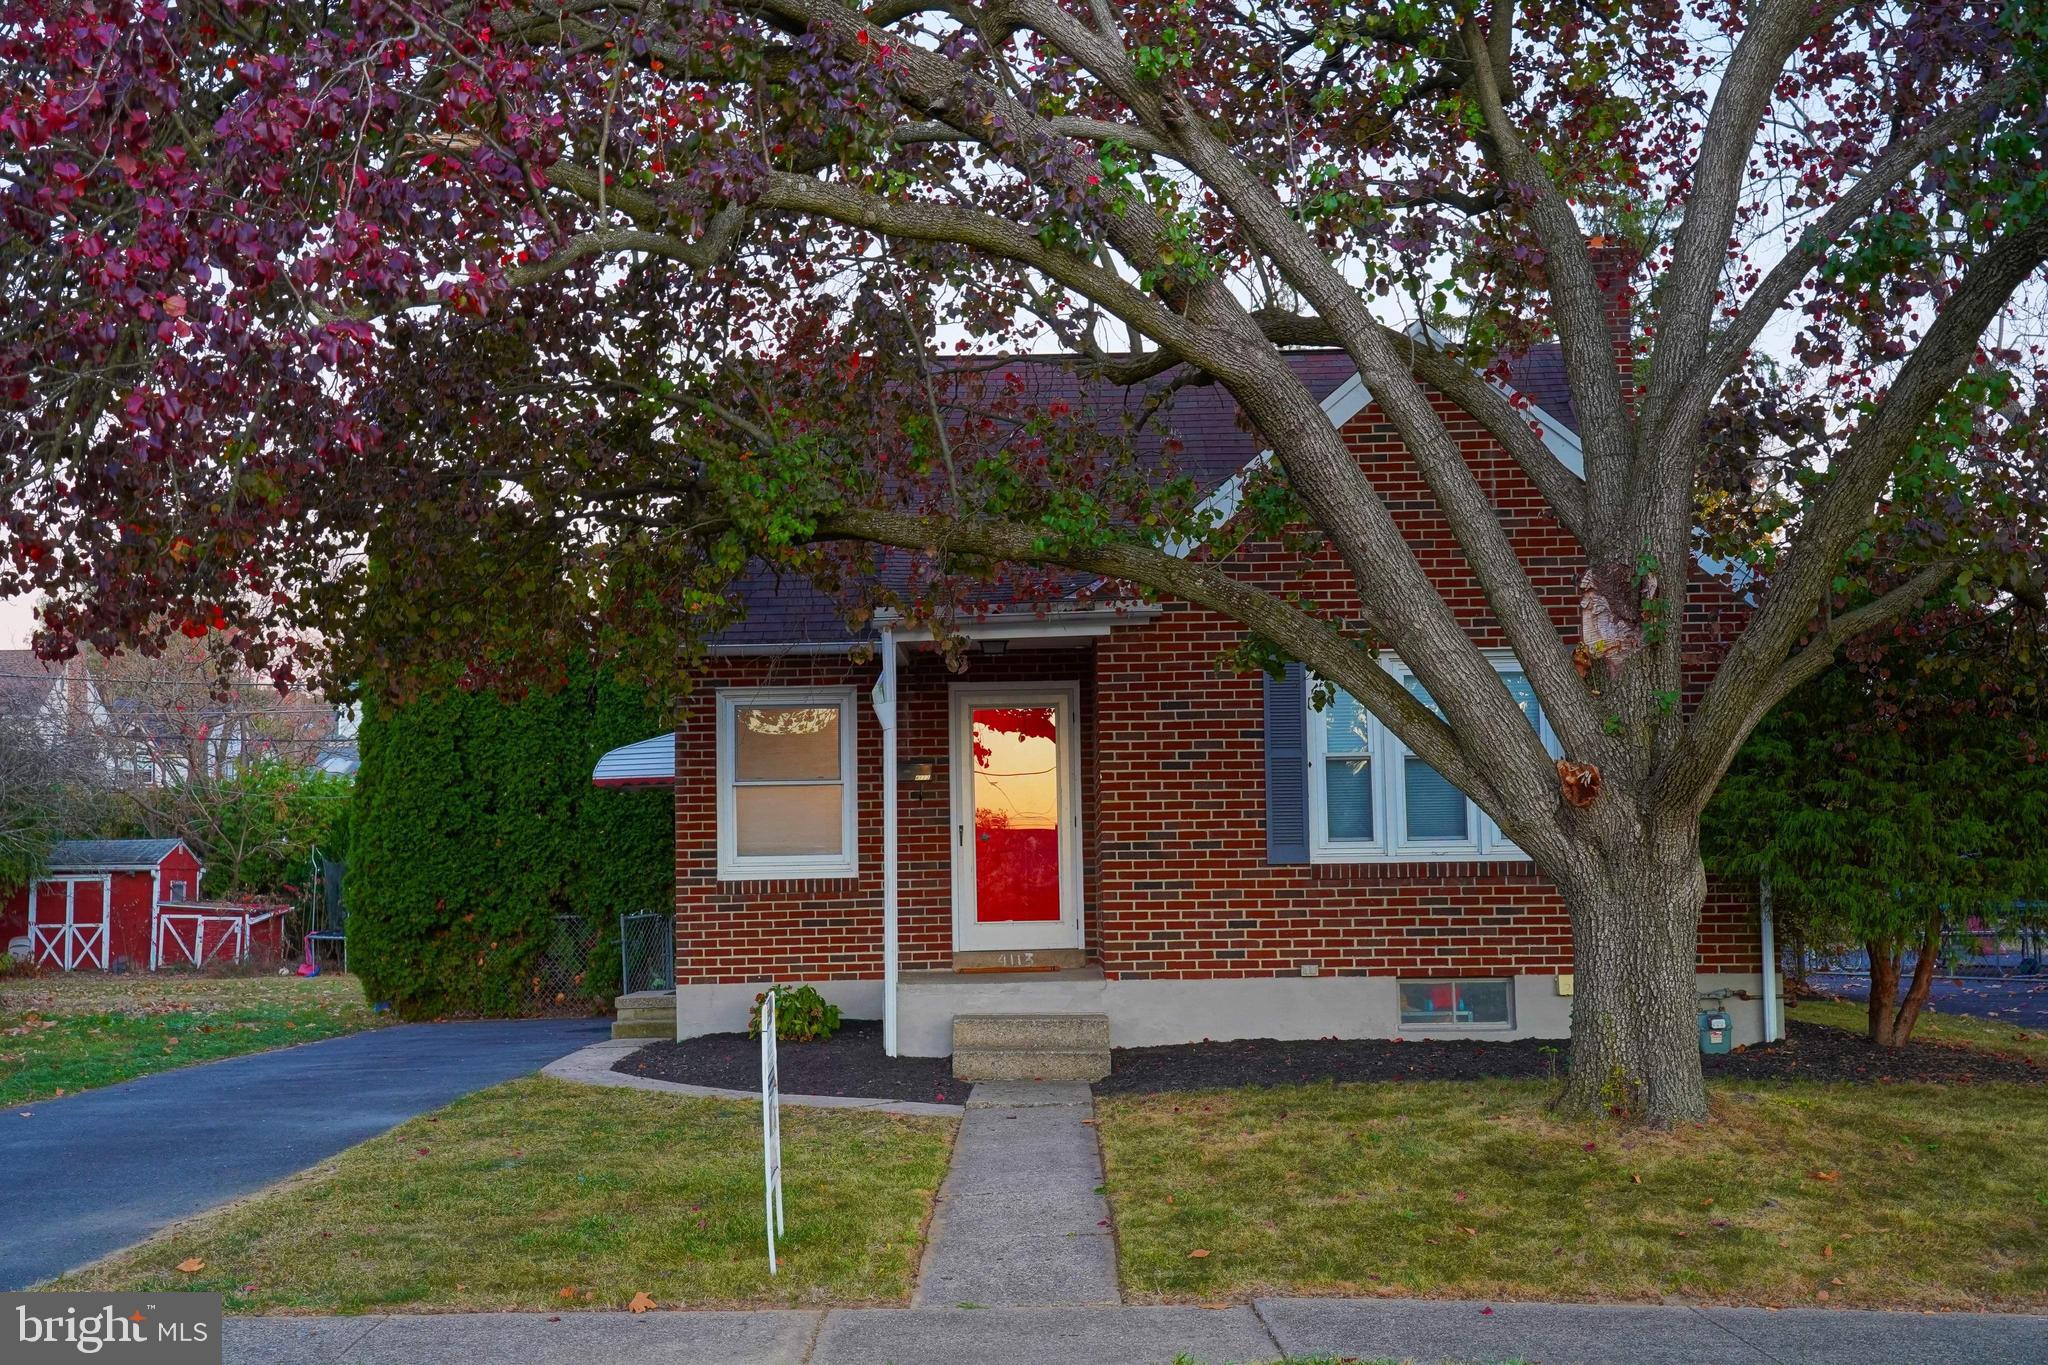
(1389, 793)
(736, 867)
(1454, 982)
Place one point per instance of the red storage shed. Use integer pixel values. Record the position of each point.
(99, 903)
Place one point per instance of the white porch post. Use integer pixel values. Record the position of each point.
(885, 712)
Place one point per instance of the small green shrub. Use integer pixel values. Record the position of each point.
(801, 1015)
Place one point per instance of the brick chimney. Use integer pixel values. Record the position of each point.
(1614, 265)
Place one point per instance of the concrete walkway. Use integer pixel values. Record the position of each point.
(1265, 1330)
(93, 1172)
(1021, 1221)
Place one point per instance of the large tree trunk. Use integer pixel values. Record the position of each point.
(1892, 1019)
(1635, 996)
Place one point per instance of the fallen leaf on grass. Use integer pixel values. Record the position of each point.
(191, 1265)
(1636, 1179)
(1827, 1253)
(1197, 1254)
(1821, 1294)
(1827, 1175)
(641, 1302)
(568, 1291)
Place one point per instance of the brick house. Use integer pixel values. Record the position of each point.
(1095, 818)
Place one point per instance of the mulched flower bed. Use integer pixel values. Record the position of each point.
(1810, 1052)
(850, 1062)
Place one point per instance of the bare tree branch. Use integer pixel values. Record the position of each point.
(1843, 509)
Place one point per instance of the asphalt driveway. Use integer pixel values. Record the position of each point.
(91, 1173)
(2022, 1001)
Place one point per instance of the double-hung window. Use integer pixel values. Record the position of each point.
(786, 783)
(1371, 800)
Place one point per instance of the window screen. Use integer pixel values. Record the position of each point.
(1436, 1004)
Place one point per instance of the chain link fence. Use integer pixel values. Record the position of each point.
(559, 981)
(647, 953)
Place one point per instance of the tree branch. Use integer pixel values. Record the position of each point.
(1307, 638)
(1081, 129)
(1578, 308)
(1814, 657)
(1685, 310)
(1687, 408)
(1872, 453)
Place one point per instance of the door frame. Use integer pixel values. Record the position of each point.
(969, 935)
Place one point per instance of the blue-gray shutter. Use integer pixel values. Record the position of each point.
(1287, 766)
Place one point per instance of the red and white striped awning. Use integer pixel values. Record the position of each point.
(650, 763)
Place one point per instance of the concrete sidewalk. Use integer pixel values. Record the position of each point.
(1021, 1221)
(1426, 1332)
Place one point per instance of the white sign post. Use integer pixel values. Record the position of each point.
(771, 1127)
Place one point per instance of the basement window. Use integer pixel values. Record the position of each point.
(785, 783)
(1476, 1002)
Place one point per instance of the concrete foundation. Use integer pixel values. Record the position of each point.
(1153, 1013)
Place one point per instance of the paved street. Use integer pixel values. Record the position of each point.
(2022, 1002)
(91, 1173)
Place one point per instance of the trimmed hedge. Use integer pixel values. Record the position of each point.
(476, 824)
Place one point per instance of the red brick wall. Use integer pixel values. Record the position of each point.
(1173, 799)
(1186, 889)
(832, 930)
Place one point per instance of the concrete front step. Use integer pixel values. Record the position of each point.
(1030, 1047)
(646, 1014)
(1032, 1064)
(1088, 1032)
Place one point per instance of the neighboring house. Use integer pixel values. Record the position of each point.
(133, 903)
(1094, 818)
(58, 699)
(156, 724)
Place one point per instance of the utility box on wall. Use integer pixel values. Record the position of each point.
(1714, 1032)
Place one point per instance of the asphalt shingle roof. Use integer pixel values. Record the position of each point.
(86, 855)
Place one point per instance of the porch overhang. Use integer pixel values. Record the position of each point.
(1076, 623)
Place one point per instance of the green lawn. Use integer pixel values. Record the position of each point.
(63, 1034)
(1797, 1194)
(540, 1195)
(1931, 1027)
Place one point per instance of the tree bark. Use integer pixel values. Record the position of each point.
(1891, 1018)
(1884, 989)
(1635, 1025)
